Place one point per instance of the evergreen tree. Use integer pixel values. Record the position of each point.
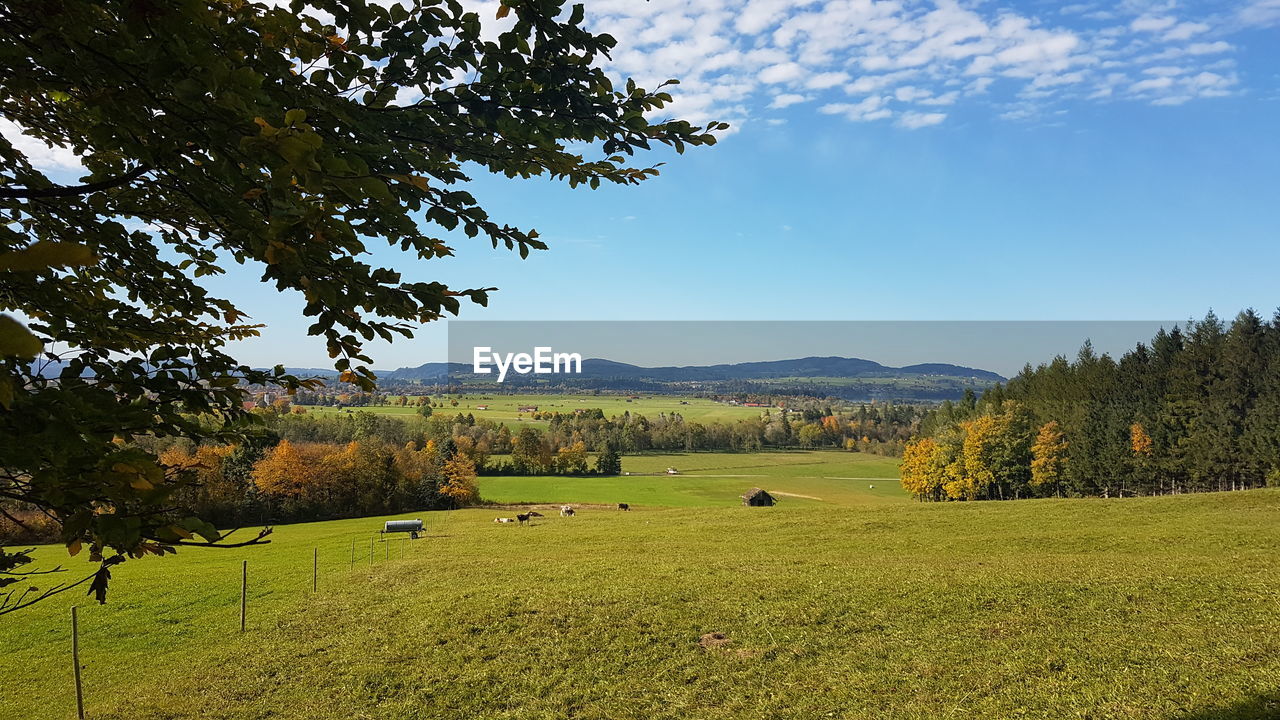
(609, 462)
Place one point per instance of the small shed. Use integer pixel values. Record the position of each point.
(756, 497)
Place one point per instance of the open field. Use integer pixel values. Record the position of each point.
(717, 479)
(1138, 608)
(505, 408)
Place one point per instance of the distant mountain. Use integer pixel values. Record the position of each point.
(799, 369)
(848, 378)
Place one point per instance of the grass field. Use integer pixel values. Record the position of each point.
(506, 408)
(859, 606)
(717, 479)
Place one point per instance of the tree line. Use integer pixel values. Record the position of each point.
(882, 428)
(1197, 409)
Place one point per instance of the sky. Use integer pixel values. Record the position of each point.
(925, 160)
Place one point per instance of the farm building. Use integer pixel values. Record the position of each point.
(757, 498)
(482, 407)
(528, 408)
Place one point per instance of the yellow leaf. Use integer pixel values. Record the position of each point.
(17, 341)
(181, 532)
(73, 548)
(142, 484)
(503, 11)
(347, 376)
(45, 255)
(414, 180)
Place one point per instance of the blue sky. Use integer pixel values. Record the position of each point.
(900, 160)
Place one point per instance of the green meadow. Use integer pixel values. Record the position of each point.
(716, 479)
(860, 604)
(506, 408)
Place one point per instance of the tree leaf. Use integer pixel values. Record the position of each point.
(45, 255)
(17, 341)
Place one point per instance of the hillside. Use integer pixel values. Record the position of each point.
(1147, 609)
(809, 367)
(849, 378)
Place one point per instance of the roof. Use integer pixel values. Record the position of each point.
(754, 492)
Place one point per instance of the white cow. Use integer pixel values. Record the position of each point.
(566, 511)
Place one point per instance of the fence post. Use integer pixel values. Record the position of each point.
(75, 658)
(244, 591)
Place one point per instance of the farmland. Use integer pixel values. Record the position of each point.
(506, 408)
(861, 605)
(716, 479)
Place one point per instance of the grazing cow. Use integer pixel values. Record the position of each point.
(528, 517)
(503, 520)
(566, 511)
(623, 506)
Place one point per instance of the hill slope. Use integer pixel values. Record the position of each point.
(1148, 609)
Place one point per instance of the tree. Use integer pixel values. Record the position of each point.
(609, 462)
(217, 131)
(810, 435)
(459, 485)
(1049, 458)
(923, 469)
(572, 460)
(980, 443)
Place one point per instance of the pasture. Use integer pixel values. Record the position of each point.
(717, 479)
(862, 607)
(506, 408)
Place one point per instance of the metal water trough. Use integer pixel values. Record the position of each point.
(406, 526)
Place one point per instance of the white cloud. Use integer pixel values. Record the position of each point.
(786, 100)
(1208, 48)
(1186, 30)
(872, 108)
(1155, 83)
(910, 93)
(42, 156)
(825, 80)
(738, 57)
(1152, 23)
(1260, 13)
(914, 120)
(782, 72)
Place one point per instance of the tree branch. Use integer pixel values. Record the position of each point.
(60, 191)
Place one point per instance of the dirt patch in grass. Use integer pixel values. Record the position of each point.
(795, 495)
(714, 640)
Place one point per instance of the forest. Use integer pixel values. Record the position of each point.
(1197, 409)
(303, 465)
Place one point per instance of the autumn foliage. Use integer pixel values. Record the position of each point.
(316, 480)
